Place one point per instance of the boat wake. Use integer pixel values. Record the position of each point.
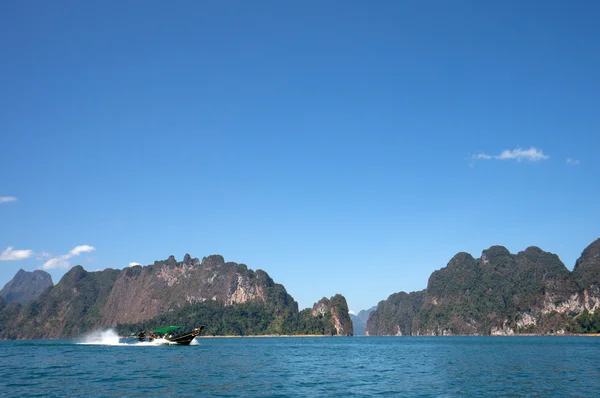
(102, 337)
(111, 337)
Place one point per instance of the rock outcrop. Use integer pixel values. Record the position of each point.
(587, 267)
(335, 309)
(395, 316)
(141, 293)
(499, 293)
(26, 286)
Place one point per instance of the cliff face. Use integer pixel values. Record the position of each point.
(336, 309)
(395, 316)
(142, 293)
(227, 297)
(587, 267)
(26, 286)
(499, 293)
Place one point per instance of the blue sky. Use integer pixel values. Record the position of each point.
(343, 147)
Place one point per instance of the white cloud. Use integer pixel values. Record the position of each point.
(532, 155)
(6, 199)
(351, 312)
(57, 262)
(133, 263)
(573, 162)
(10, 254)
(81, 249)
(62, 261)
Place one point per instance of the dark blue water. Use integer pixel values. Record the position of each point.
(337, 367)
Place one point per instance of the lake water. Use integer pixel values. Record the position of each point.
(306, 367)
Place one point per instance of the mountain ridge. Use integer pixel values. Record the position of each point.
(498, 293)
(142, 295)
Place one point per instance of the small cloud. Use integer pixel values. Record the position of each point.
(57, 262)
(351, 312)
(133, 264)
(7, 199)
(573, 162)
(9, 254)
(62, 260)
(81, 249)
(531, 155)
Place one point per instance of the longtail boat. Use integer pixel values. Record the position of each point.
(170, 335)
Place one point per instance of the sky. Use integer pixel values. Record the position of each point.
(343, 147)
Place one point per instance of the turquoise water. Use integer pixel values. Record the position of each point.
(306, 367)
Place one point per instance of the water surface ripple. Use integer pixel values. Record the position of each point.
(306, 367)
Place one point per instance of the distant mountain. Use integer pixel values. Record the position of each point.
(226, 297)
(360, 321)
(26, 286)
(500, 294)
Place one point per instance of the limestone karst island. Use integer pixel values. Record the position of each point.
(499, 293)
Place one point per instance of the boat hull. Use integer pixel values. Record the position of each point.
(172, 339)
(184, 339)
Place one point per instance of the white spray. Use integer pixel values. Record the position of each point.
(110, 337)
(101, 337)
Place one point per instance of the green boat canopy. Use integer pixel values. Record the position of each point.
(167, 329)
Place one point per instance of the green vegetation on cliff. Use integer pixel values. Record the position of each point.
(498, 293)
(395, 315)
(337, 308)
(67, 309)
(473, 296)
(246, 319)
(587, 270)
(586, 323)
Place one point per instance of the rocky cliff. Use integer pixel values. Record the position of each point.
(498, 293)
(395, 316)
(142, 293)
(587, 268)
(26, 286)
(336, 311)
(229, 296)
